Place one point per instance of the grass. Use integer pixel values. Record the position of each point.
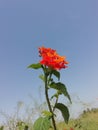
(88, 120)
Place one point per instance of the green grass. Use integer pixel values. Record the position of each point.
(88, 120)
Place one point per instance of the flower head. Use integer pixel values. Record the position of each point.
(51, 59)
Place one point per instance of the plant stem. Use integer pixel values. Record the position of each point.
(55, 104)
(48, 102)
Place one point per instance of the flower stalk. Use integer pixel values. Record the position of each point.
(51, 63)
(48, 101)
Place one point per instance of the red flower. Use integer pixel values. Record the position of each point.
(71, 128)
(51, 59)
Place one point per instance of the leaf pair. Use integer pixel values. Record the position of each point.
(61, 88)
(44, 123)
(38, 66)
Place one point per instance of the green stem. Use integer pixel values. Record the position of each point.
(48, 101)
(55, 104)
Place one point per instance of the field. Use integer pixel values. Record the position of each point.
(88, 120)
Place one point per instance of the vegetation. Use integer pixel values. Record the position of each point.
(50, 65)
(88, 120)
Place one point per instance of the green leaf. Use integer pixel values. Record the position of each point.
(56, 73)
(42, 123)
(55, 95)
(62, 88)
(42, 77)
(64, 110)
(35, 66)
(47, 113)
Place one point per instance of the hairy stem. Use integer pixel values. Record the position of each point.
(48, 102)
(55, 104)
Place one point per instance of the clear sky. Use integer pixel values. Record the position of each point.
(69, 26)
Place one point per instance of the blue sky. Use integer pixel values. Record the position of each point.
(70, 27)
